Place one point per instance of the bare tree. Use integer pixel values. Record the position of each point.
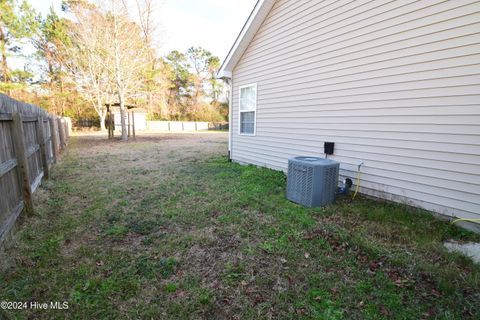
(146, 10)
(156, 82)
(86, 56)
(111, 53)
(127, 54)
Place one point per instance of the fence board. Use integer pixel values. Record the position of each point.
(55, 138)
(23, 163)
(9, 188)
(36, 183)
(7, 166)
(48, 140)
(5, 117)
(6, 144)
(61, 133)
(10, 221)
(11, 194)
(43, 151)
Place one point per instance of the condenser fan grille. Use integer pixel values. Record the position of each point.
(302, 178)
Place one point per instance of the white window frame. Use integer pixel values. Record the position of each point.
(254, 110)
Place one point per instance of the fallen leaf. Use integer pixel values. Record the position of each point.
(384, 311)
(300, 311)
(249, 290)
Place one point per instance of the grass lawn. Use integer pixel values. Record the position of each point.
(166, 228)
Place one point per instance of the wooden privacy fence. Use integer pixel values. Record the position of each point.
(30, 142)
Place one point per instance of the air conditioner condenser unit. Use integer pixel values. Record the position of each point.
(312, 181)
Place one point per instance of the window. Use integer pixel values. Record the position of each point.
(248, 109)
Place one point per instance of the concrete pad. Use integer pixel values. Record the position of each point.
(471, 249)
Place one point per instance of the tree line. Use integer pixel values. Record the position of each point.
(103, 52)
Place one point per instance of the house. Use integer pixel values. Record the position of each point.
(394, 84)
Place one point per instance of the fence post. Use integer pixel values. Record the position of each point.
(61, 133)
(109, 124)
(43, 150)
(128, 130)
(133, 124)
(66, 130)
(20, 148)
(68, 123)
(53, 133)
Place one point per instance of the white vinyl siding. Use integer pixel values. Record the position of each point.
(395, 84)
(247, 110)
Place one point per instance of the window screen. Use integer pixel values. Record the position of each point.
(247, 122)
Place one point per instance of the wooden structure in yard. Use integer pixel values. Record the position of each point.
(30, 142)
(113, 114)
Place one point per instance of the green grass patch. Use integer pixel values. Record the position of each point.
(178, 232)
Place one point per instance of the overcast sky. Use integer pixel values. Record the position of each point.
(212, 24)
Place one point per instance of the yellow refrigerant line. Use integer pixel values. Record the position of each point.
(357, 183)
(466, 220)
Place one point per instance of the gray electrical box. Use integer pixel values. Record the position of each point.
(312, 181)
